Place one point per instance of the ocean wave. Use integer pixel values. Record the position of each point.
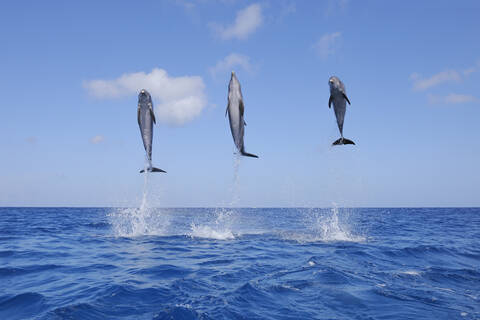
(306, 237)
(22, 306)
(216, 262)
(16, 271)
(98, 225)
(6, 253)
(78, 311)
(163, 271)
(182, 311)
(240, 264)
(411, 272)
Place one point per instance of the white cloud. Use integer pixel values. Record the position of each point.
(469, 71)
(246, 22)
(421, 84)
(473, 69)
(230, 62)
(97, 139)
(177, 100)
(451, 98)
(327, 45)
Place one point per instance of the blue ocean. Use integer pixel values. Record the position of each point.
(224, 263)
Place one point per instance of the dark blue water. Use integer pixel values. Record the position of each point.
(83, 263)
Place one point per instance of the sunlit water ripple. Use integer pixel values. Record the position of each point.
(103, 263)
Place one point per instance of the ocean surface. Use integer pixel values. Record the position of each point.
(219, 263)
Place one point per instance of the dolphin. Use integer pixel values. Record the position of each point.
(339, 98)
(146, 119)
(235, 110)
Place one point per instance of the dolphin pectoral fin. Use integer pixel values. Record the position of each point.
(153, 115)
(244, 123)
(242, 108)
(346, 98)
(330, 100)
(341, 141)
(226, 111)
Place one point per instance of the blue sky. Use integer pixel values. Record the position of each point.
(71, 72)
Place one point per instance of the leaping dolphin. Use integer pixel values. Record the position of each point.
(235, 110)
(146, 119)
(339, 98)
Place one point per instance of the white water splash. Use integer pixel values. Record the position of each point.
(221, 228)
(328, 227)
(208, 232)
(411, 272)
(144, 220)
(325, 226)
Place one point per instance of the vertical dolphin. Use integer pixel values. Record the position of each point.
(235, 110)
(339, 98)
(146, 119)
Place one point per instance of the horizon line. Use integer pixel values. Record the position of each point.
(229, 207)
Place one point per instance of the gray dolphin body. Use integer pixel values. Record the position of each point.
(146, 119)
(338, 97)
(235, 110)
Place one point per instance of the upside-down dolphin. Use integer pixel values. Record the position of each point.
(235, 110)
(339, 98)
(146, 119)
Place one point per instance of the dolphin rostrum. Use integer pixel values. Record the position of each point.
(235, 110)
(339, 98)
(146, 119)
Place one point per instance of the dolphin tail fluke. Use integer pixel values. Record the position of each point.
(341, 141)
(153, 169)
(246, 154)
